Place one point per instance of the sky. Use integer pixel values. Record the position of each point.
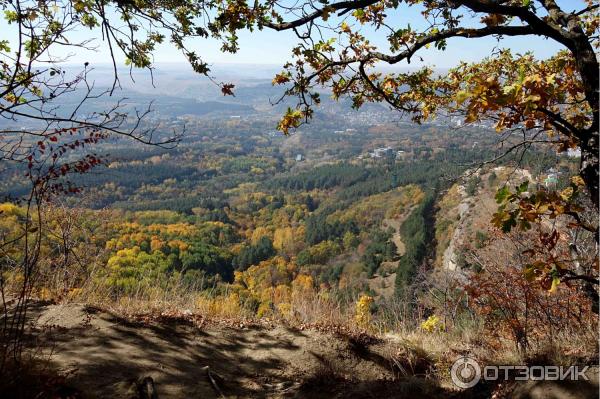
(271, 47)
(274, 48)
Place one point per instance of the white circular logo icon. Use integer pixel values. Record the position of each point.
(465, 372)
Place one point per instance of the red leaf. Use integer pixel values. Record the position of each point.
(227, 89)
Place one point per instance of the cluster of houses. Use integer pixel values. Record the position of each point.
(382, 152)
(385, 153)
(349, 130)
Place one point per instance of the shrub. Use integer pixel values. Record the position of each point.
(432, 324)
(363, 311)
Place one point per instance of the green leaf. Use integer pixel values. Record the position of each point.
(11, 16)
(523, 187)
(502, 194)
(509, 224)
(4, 46)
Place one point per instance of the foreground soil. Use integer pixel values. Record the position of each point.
(106, 356)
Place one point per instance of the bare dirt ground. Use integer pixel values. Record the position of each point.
(384, 286)
(106, 356)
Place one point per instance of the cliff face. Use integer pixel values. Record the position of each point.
(465, 211)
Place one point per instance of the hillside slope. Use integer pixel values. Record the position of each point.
(466, 209)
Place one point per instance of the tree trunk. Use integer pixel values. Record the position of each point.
(588, 169)
(587, 63)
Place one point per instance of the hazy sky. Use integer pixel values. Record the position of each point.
(270, 47)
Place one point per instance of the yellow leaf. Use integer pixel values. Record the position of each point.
(543, 208)
(555, 283)
(578, 181)
(280, 78)
(567, 193)
(461, 96)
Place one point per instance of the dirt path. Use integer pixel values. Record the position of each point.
(396, 237)
(383, 283)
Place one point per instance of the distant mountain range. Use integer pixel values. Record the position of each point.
(174, 90)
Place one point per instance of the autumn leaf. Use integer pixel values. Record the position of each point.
(554, 284)
(493, 19)
(578, 181)
(227, 89)
(567, 193)
(281, 78)
(291, 119)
